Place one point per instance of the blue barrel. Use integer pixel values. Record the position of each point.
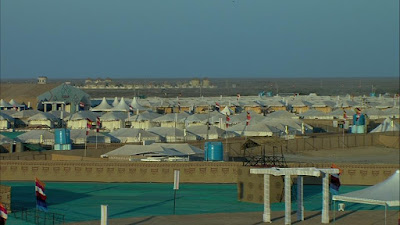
(213, 151)
(62, 136)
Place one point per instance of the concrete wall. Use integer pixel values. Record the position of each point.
(251, 187)
(80, 171)
(5, 196)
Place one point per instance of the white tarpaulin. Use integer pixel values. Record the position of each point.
(384, 193)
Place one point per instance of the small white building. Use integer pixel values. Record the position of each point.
(42, 120)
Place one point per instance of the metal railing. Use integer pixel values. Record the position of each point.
(37, 217)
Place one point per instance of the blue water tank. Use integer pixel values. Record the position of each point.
(62, 136)
(213, 151)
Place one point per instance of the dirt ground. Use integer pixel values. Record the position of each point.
(255, 218)
(367, 155)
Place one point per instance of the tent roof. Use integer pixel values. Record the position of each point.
(83, 115)
(103, 106)
(136, 105)
(35, 134)
(115, 102)
(5, 104)
(144, 116)
(171, 117)
(130, 150)
(4, 116)
(386, 126)
(386, 192)
(113, 116)
(131, 132)
(43, 116)
(25, 113)
(122, 106)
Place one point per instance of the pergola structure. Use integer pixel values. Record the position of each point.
(300, 173)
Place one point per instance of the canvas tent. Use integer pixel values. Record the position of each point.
(132, 135)
(386, 126)
(385, 193)
(171, 134)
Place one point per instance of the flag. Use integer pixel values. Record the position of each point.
(130, 108)
(179, 107)
(237, 97)
(3, 213)
(88, 126)
(40, 195)
(98, 124)
(217, 106)
(81, 105)
(227, 121)
(248, 118)
(335, 181)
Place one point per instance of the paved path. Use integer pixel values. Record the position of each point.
(255, 218)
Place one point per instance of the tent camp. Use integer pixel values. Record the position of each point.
(42, 119)
(385, 193)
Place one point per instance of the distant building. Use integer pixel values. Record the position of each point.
(64, 97)
(195, 82)
(206, 82)
(88, 81)
(42, 80)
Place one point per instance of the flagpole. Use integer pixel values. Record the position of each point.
(84, 152)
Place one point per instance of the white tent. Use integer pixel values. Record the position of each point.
(113, 120)
(37, 137)
(254, 130)
(127, 151)
(42, 119)
(103, 106)
(173, 120)
(386, 126)
(144, 120)
(385, 193)
(78, 136)
(136, 105)
(227, 111)
(115, 102)
(121, 107)
(132, 135)
(78, 120)
(171, 134)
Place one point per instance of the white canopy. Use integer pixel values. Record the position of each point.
(384, 193)
(386, 126)
(103, 106)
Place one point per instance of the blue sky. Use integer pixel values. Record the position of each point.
(202, 38)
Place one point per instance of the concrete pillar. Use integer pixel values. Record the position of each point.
(104, 216)
(267, 203)
(325, 198)
(288, 200)
(300, 207)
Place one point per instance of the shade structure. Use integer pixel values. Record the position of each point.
(103, 106)
(384, 193)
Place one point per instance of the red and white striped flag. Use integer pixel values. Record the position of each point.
(237, 96)
(248, 118)
(3, 213)
(227, 121)
(88, 126)
(98, 124)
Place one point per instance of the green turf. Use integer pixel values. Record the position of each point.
(11, 135)
(81, 201)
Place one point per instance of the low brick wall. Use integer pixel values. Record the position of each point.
(93, 171)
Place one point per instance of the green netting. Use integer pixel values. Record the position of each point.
(81, 201)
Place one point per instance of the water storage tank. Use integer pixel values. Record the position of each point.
(62, 136)
(213, 151)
